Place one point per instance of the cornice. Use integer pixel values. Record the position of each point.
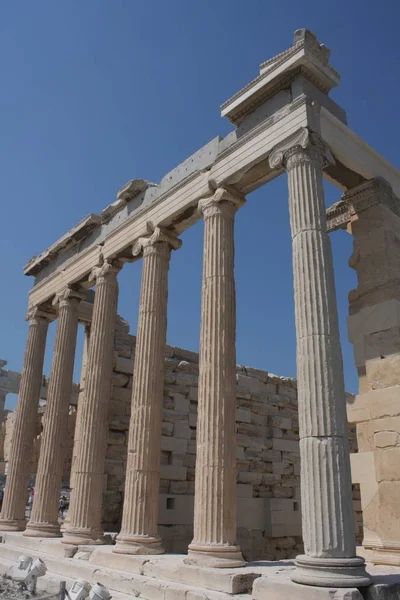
(312, 55)
(71, 238)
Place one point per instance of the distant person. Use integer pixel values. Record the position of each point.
(30, 500)
(62, 506)
(1, 499)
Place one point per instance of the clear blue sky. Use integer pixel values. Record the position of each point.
(97, 92)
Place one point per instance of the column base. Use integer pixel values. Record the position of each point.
(12, 524)
(42, 530)
(331, 572)
(137, 544)
(218, 556)
(80, 537)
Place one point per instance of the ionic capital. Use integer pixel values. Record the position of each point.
(160, 235)
(108, 270)
(302, 146)
(68, 296)
(39, 312)
(224, 201)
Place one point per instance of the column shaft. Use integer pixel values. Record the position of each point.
(139, 531)
(15, 496)
(86, 498)
(214, 542)
(327, 506)
(78, 417)
(44, 518)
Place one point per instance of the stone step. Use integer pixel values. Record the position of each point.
(172, 568)
(169, 567)
(48, 545)
(130, 585)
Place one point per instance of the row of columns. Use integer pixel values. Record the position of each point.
(327, 513)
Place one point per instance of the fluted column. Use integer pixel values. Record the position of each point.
(44, 517)
(139, 531)
(86, 498)
(214, 542)
(78, 418)
(326, 494)
(79, 410)
(12, 516)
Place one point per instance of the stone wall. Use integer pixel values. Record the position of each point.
(268, 460)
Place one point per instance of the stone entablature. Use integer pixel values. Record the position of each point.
(10, 381)
(240, 159)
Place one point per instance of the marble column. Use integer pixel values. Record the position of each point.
(86, 498)
(214, 542)
(78, 418)
(44, 517)
(326, 494)
(81, 400)
(12, 517)
(139, 531)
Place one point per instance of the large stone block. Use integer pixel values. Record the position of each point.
(388, 464)
(124, 365)
(172, 444)
(173, 472)
(383, 372)
(370, 319)
(182, 429)
(286, 446)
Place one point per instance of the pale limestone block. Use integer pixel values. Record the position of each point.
(286, 446)
(192, 419)
(244, 490)
(386, 424)
(167, 428)
(116, 437)
(384, 402)
(243, 416)
(358, 408)
(174, 473)
(384, 439)
(240, 455)
(384, 372)
(365, 437)
(120, 380)
(193, 394)
(121, 394)
(124, 365)
(370, 319)
(250, 477)
(186, 379)
(172, 444)
(388, 464)
(251, 513)
(175, 510)
(169, 377)
(181, 403)
(182, 429)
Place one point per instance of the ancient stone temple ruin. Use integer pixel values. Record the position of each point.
(225, 435)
